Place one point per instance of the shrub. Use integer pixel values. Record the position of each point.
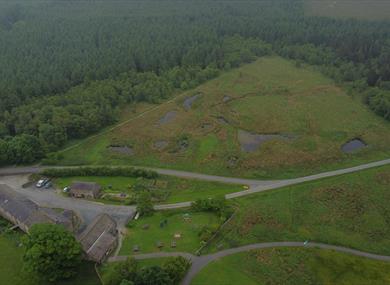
(144, 204)
(216, 205)
(100, 171)
(177, 267)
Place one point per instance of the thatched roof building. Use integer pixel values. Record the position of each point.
(100, 238)
(24, 213)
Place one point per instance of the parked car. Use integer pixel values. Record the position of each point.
(48, 185)
(42, 182)
(66, 189)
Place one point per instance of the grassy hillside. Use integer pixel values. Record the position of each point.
(368, 10)
(350, 210)
(300, 116)
(294, 267)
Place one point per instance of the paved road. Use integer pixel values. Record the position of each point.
(288, 182)
(185, 174)
(177, 173)
(199, 262)
(255, 185)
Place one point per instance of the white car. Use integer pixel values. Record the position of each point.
(66, 189)
(42, 182)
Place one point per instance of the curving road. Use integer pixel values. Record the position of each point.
(255, 185)
(16, 176)
(199, 262)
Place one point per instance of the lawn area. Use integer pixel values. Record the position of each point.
(11, 266)
(367, 10)
(189, 228)
(350, 210)
(309, 117)
(294, 266)
(167, 189)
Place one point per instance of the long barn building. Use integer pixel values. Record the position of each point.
(24, 213)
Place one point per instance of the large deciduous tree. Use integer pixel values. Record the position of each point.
(51, 252)
(145, 204)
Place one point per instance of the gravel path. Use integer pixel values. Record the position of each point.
(199, 262)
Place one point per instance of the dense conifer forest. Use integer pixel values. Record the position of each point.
(68, 67)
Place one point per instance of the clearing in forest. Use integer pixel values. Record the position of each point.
(266, 119)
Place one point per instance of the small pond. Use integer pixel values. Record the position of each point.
(353, 145)
(167, 118)
(189, 101)
(251, 142)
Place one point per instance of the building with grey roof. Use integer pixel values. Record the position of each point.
(89, 190)
(100, 238)
(24, 213)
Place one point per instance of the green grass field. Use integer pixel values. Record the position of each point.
(294, 266)
(11, 264)
(350, 210)
(173, 190)
(368, 10)
(147, 239)
(269, 96)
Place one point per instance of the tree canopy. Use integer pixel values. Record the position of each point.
(51, 252)
(68, 67)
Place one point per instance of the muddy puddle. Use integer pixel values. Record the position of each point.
(353, 145)
(167, 118)
(250, 142)
(187, 104)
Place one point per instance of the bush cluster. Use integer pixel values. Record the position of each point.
(217, 205)
(129, 272)
(100, 171)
